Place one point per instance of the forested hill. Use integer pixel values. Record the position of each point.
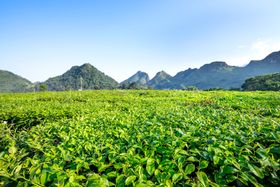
(85, 76)
(264, 82)
(10, 82)
(160, 79)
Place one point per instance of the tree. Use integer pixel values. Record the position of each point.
(133, 86)
(43, 87)
(190, 88)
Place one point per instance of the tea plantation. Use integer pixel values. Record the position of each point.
(140, 138)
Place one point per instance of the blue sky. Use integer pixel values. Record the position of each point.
(44, 38)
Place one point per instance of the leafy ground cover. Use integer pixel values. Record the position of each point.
(140, 138)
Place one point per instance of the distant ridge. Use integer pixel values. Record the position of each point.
(213, 75)
(217, 74)
(221, 75)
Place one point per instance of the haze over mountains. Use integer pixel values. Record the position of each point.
(218, 74)
(214, 75)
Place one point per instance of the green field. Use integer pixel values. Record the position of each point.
(140, 138)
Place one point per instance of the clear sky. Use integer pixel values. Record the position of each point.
(44, 38)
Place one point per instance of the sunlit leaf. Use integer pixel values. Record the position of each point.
(203, 179)
(189, 169)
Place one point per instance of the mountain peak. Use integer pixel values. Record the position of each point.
(139, 77)
(86, 65)
(217, 64)
(140, 72)
(159, 79)
(92, 78)
(83, 66)
(272, 58)
(161, 74)
(275, 56)
(214, 66)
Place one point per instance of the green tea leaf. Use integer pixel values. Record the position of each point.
(18, 168)
(141, 185)
(228, 170)
(112, 174)
(130, 180)
(168, 183)
(216, 159)
(257, 171)
(192, 159)
(150, 167)
(203, 179)
(214, 184)
(44, 177)
(203, 164)
(176, 177)
(189, 169)
(12, 150)
(250, 178)
(120, 180)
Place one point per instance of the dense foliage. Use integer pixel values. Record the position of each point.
(132, 86)
(265, 82)
(140, 138)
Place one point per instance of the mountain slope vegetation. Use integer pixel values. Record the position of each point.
(85, 76)
(10, 82)
(264, 82)
(159, 80)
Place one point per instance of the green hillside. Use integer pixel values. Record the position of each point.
(264, 82)
(10, 82)
(86, 77)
